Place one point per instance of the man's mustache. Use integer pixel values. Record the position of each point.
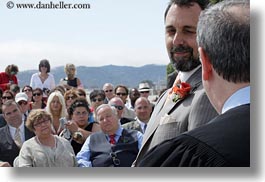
(181, 49)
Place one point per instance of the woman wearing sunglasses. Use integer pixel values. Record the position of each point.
(38, 102)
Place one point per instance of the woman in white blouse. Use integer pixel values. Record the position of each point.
(43, 79)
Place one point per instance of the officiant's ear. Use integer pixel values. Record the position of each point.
(206, 64)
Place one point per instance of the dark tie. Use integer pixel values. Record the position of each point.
(145, 125)
(112, 139)
(25, 117)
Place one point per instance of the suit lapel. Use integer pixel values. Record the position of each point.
(161, 108)
(8, 135)
(28, 134)
(195, 79)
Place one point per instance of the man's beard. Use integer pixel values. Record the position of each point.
(184, 63)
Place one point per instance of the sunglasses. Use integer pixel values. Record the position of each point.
(108, 91)
(36, 94)
(7, 97)
(70, 97)
(82, 95)
(22, 102)
(118, 107)
(144, 92)
(27, 90)
(123, 94)
(43, 66)
(95, 100)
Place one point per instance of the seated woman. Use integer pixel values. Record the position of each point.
(7, 95)
(70, 81)
(45, 149)
(28, 90)
(97, 98)
(82, 94)
(78, 128)
(69, 97)
(56, 107)
(38, 102)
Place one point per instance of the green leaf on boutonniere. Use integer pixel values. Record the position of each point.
(180, 91)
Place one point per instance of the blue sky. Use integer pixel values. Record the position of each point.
(119, 32)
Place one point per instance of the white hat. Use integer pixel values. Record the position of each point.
(144, 87)
(21, 96)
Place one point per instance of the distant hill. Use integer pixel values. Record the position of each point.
(95, 77)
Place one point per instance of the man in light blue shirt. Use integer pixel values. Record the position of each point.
(101, 150)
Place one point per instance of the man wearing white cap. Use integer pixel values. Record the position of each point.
(22, 100)
(144, 90)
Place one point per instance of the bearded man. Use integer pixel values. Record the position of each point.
(185, 106)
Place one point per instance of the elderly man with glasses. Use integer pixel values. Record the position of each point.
(113, 146)
(118, 104)
(109, 92)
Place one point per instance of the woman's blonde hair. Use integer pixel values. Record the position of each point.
(68, 67)
(61, 100)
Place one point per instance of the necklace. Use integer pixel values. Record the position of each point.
(50, 145)
(43, 77)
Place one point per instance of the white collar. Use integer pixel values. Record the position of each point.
(13, 129)
(185, 75)
(240, 97)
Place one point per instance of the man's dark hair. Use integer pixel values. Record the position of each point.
(96, 93)
(121, 86)
(78, 102)
(202, 3)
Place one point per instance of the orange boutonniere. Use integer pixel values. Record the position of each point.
(180, 91)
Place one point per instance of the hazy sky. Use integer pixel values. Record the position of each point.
(119, 32)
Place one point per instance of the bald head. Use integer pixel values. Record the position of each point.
(143, 109)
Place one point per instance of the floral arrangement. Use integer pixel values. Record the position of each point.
(180, 91)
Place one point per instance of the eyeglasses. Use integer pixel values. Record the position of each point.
(114, 158)
(80, 113)
(123, 94)
(22, 102)
(36, 94)
(27, 90)
(38, 124)
(70, 97)
(7, 97)
(118, 107)
(144, 92)
(108, 91)
(95, 100)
